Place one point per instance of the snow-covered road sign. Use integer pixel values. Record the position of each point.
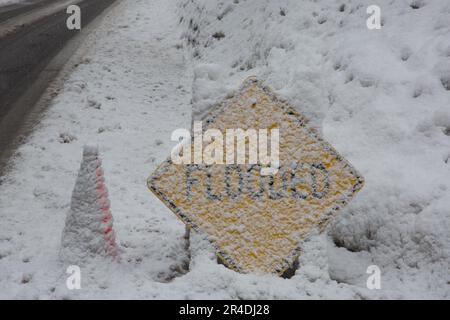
(257, 222)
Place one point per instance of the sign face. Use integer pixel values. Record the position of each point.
(256, 222)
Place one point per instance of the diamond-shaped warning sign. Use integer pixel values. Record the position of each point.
(257, 221)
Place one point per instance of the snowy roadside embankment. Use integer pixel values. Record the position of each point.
(381, 97)
(126, 90)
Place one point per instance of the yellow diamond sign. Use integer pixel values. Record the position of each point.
(255, 220)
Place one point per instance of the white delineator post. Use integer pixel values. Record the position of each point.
(89, 224)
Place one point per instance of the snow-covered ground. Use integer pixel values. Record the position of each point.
(128, 90)
(380, 97)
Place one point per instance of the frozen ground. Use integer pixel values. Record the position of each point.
(380, 97)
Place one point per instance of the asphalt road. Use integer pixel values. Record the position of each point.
(13, 10)
(24, 55)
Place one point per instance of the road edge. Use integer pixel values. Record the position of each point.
(37, 98)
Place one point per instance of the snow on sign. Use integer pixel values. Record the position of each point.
(257, 221)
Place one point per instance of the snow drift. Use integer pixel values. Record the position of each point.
(379, 96)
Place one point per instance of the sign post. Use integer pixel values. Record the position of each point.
(256, 215)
